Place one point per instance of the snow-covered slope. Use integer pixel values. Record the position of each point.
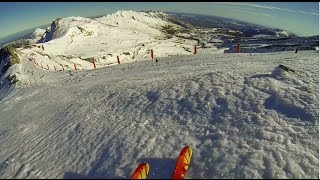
(242, 115)
(127, 34)
(149, 23)
(282, 34)
(37, 35)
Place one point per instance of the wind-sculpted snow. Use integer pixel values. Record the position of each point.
(243, 117)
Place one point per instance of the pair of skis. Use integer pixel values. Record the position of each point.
(183, 161)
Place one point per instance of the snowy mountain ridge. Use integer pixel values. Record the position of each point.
(121, 20)
(77, 42)
(106, 37)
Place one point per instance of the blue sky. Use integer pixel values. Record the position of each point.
(297, 17)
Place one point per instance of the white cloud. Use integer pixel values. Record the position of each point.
(268, 15)
(265, 7)
(306, 13)
(314, 13)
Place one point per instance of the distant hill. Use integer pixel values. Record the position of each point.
(20, 35)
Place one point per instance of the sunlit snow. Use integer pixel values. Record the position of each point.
(243, 115)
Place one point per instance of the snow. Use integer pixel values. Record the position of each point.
(266, 36)
(242, 115)
(282, 34)
(127, 34)
(37, 34)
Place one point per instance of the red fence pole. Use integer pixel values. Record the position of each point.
(152, 54)
(75, 66)
(195, 50)
(94, 63)
(118, 60)
(238, 48)
(55, 68)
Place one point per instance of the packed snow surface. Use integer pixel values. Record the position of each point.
(243, 116)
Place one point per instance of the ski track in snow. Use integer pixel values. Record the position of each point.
(241, 120)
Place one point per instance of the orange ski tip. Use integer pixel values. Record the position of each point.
(183, 162)
(141, 171)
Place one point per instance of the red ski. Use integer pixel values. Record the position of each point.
(141, 172)
(182, 164)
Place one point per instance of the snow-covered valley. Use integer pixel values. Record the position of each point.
(243, 115)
